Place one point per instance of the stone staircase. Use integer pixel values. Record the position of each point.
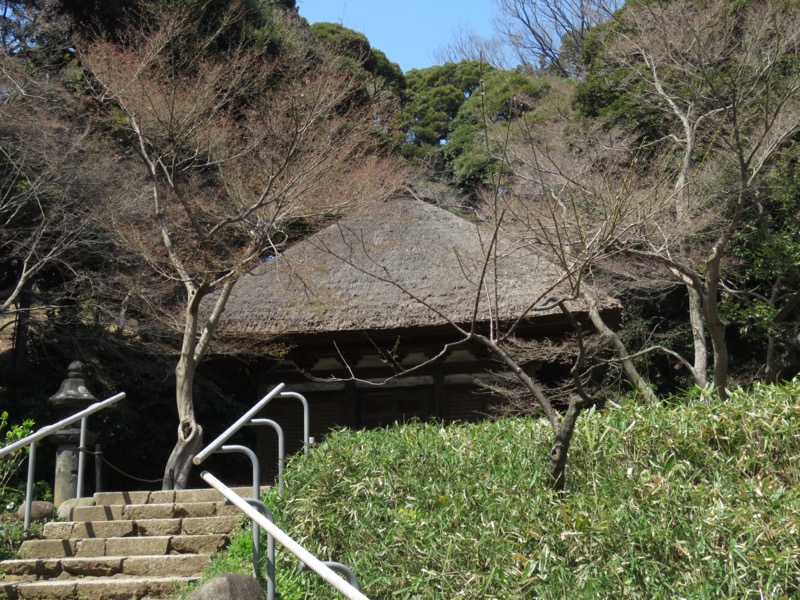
(127, 546)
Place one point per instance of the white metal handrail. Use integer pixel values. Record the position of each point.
(281, 447)
(225, 435)
(306, 416)
(312, 562)
(49, 430)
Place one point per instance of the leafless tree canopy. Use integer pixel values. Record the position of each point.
(238, 155)
(54, 174)
(468, 45)
(712, 74)
(549, 33)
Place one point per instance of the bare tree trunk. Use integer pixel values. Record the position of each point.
(560, 449)
(720, 350)
(716, 328)
(297, 126)
(630, 370)
(190, 433)
(771, 367)
(20, 352)
(700, 373)
(562, 427)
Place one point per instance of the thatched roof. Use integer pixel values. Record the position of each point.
(360, 273)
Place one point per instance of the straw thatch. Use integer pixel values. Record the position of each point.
(401, 264)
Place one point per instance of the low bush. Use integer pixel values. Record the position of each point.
(10, 487)
(684, 499)
(12, 534)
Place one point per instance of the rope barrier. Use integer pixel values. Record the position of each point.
(118, 470)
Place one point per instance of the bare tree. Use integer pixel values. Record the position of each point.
(468, 45)
(714, 76)
(573, 194)
(235, 147)
(53, 176)
(549, 33)
(717, 75)
(554, 215)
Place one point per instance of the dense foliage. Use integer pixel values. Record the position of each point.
(451, 111)
(11, 464)
(356, 47)
(693, 498)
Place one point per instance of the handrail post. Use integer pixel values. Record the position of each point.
(281, 447)
(225, 435)
(48, 429)
(256, 491)
(343, 569)
(31, 439)
(81, 457)
(306, 417)
(29, 486)
(270, 546)
(253, 460)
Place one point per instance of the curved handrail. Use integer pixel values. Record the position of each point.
(311, 561)
(48, 429)
(257, 547)
(343, 569)
(281, 447)
(306, 416)
(225, 435)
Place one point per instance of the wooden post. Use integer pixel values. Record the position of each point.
(98, 468)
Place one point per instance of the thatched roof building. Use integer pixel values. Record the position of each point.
(383, 289)
(401, 264)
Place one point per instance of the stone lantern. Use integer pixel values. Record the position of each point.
(71, 397)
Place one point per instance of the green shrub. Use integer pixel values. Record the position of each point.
(684, 499)
(10, 489)
(12, 534)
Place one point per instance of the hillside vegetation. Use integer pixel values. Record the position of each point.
(686, 499)
(154, 152)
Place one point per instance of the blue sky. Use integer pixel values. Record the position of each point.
(408, 31)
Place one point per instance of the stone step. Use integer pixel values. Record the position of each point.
(122, 512)
(151, 565)
(118, 546)
(141, 527)
(128, 545)
(88, 588)
(170, 496)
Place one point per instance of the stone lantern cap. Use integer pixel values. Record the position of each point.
(73, 393)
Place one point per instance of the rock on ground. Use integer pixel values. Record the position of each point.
(229, 586)
(65, 508)
(39, 510)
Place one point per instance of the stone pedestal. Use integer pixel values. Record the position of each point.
(65, 486)
(70, 398)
